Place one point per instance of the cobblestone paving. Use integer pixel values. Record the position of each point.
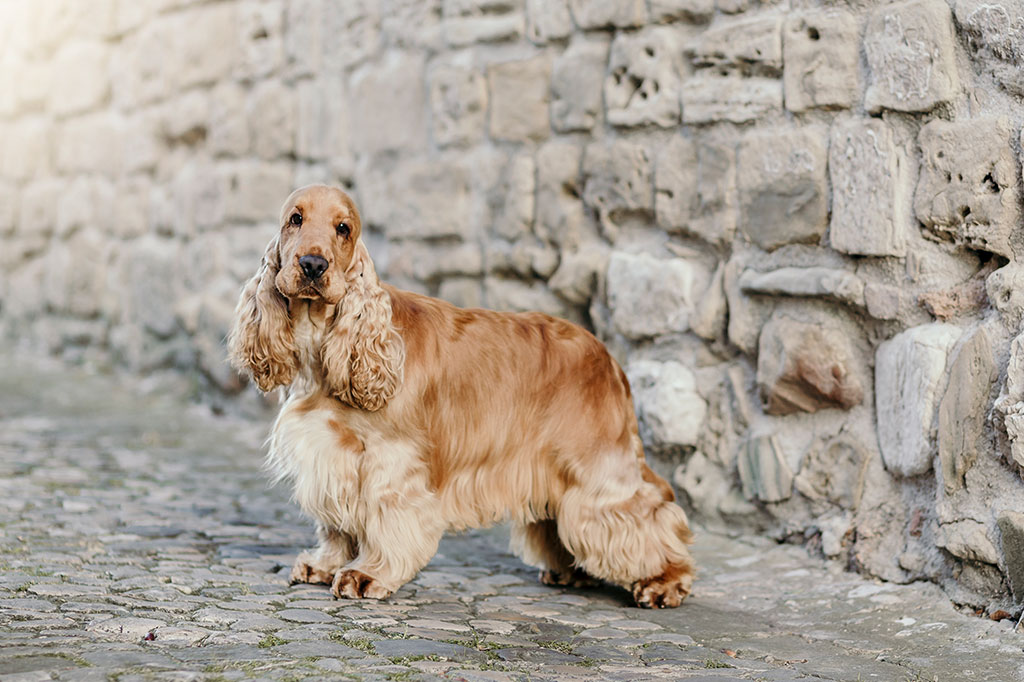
(139, 540)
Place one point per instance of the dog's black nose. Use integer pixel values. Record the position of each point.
(313, 266)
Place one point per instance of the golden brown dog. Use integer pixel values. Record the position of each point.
(406, 417)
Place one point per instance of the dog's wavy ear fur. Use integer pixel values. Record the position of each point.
(261, 341)
(362, 354)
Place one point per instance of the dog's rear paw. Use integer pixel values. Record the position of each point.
(575, 577)
(305, 571)
(352, 584)
(666, 590)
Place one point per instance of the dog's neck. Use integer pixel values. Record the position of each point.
(310, 321)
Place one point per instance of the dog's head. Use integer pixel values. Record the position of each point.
(318, 244)
(318, 255)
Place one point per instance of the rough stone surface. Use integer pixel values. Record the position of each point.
(821, 50)
(577, 78)
(695, 189)
(649, 295)
(643, 82)
(387, 99)
(911, 58)
(764, 472)
(805, 367)
(670, 408)
(782, 187)
(969, 187)
(589, 14)
(1011, 529)
(812, 282)
(995, 32)
(519, 96)
(710, 98)
(458, 101)
(963, 409)
(909, 370)
(618, 181)
(871, 190)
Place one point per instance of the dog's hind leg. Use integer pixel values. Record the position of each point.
(321, 564)
(538, 544)
(621, 524)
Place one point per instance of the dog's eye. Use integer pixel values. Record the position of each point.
(343, 230)
(296, 219)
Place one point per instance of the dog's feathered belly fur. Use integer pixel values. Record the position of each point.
(406, 416)
(519, 417)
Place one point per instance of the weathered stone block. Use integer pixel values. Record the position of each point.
(835, 472)
(910, 49)
(350, 32)
(271, 113)
(91, 143)
(480, 21)
(666, 397)
(8, 208)
(781, 179)
(764, 471)
(77, 279)
(908, 370)
(805, 367)
(812, 282)
(255, 190)
(80, 80)
(606, 13)
(963, 409)
(25, 148)
(642, 86)
(515, 215)
(649, 296)
(560, 215)
(579, 273)
(260, 30)
(519, 94)
(709, 99)
(412, 23)
(1005, 290)
(205, 44)
(228, 128)
(617, 180)
(425, 198)
(387, 104)
(518, 296)
(695, 189)
(465, 292)
(85, 202)
(995, 35)
(1011, 530)
(666, 11)
(547, 20)
(871, 189)
(968, 189)
(967, 539)
(458, 104)
(321, 121)
(752, 46)
(576, 82)
(821, 51)
(710, 314)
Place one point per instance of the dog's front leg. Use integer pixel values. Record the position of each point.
(403, 523)
(320, 565)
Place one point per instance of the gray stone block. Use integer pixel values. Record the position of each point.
(643, 82)
(821, 51)
(576, 82)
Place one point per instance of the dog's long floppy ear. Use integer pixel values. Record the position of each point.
(363, 355)
(261, 342)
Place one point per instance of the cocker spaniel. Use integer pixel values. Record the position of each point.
(406, 417)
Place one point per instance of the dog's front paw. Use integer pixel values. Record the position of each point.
(305, 571)
(666, 590)
(352, 584)
(575, 577)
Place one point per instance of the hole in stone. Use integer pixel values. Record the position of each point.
(812, 33)
(965, 211)
(959, 177)
(939, 154)
(990, 184)
(949, 178)
(643, 95)
(260, 34)
(649, 50)
(655, 86)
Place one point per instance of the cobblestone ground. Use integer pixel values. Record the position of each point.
(139, 540)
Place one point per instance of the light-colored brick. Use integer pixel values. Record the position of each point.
(710, 98)
(92, 143)
(995, 35)
(911, 56)
(751, 45)
(547, 20)
(590, 14)
(782, 188)
(271, 111)
(519, 95)
(618, 181)
(664, 11)
(458, 104)
(644, 76)
(25, 149)
(695, 189)
(465, 22)
(228, 129)
(560, 215)
(79, 81)
(387, 105)
(968, 189)
(576, 82)
(514, 219)
(322, 130)
(260, 29)
(650, 296)
(205, 45)
(256, 190)
(871, 189)
(821, 52)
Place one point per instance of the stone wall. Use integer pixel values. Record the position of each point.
(796, 224)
